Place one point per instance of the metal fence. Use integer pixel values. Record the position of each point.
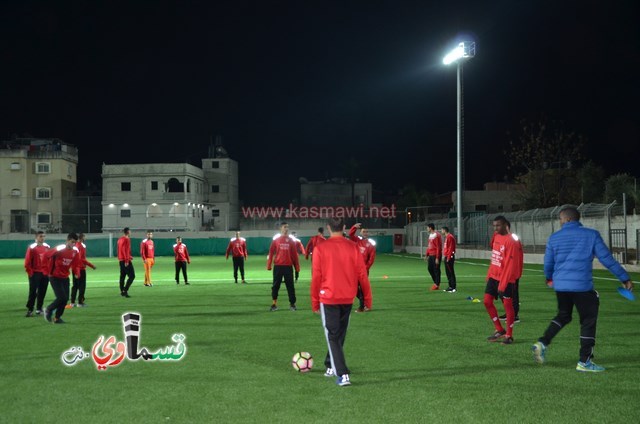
(534, 227)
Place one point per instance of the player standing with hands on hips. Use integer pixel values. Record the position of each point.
(238, 249)
(568, 267)
(338, 268)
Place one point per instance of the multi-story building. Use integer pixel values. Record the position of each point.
(37, 184)
(171, 196)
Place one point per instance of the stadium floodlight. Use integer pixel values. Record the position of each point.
(463, 51)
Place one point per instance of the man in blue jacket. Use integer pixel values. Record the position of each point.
(568, 266)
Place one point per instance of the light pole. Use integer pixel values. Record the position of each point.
(464, 51)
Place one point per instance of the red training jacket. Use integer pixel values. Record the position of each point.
(434, 248)
(337, 267)
(449, 248)
(237, 247)
(124, 249)
(283, 252)
(82, 248)
(34, 260)
(181, 253)
(147, 249)
(366, 247)
(506, 265)
(61, 259)
(313, 242)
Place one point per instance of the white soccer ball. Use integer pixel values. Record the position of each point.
(302, 362)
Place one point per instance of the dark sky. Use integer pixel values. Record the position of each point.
(296, 88)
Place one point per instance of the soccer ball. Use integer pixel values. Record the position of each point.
(302, 362)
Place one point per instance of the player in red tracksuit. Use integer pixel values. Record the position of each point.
(299, 246)
(126, 262)
(367, 249)
(313, 242)
(283, 254)
(238, 249)
(449, 255)
(182, 259)
(36, 267)
(504, 270)
(148, 254)
(433, 255)
(338, 269)
(60, 259)
(80, 283)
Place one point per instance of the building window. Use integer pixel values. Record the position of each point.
(15, 166)
(125, 213)
(69, 171)
(125, 186)
(16, 192)
(44, 218)
(215, 189)
(154, 185)
(43, 168)
(43, 193)
(215, 213)
(215, 164)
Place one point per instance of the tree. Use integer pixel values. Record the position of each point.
(592, 179)
(622, 183)
(544, 158)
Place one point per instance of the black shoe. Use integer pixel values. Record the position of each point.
(293, 308)
(47, 314)
(125, 294)
(58, 321)
(186, 284)
(507, 341)
(450, 290)
(496, 336)
(29, 314)
(177, 282)
(504, 318)
(236, 281)
(273, 308)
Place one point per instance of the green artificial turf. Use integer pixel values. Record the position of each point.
(418, 356)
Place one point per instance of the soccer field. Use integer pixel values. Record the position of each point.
(418, 356)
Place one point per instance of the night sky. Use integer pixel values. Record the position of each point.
(297, 88)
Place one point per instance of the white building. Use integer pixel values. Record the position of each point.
(37, 182)
(170, 196)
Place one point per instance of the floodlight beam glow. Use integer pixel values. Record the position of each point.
(454, 55)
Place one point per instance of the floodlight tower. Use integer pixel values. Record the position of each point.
(463, 52)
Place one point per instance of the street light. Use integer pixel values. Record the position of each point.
(464, 51)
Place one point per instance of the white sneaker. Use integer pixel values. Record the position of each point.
(344, 380)
(329, 372)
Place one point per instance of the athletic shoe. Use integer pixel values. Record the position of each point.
(360, 310)
(125, 294)
(366, 309)
(503, 317)
(507, 340)
(177, 282)
(450, 290)
(29, 314)
(538, 350)
(186, 283)
(236, 281)
(69, 306)
(47, 314)
(434, 287)
(293, 308)
(329, 372)
(58, 321)
(273, 308)
(588, 367)
(81, 305)
(147, 285)
(38, 311)
(344, 380)
(244, 282)
(496, 336)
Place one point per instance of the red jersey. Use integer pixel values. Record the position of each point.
(34, 260)
(283, 251)
(434, 248)
(299, 246)
(337, 268)
(506, 265)
(82, 248)
(366, 247)
(61, 259)
(449, 248)
(518, 255)
(124, 249)
(313, 242)
(237, 247)
(147, 249)
(181, 253)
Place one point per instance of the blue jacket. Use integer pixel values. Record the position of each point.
(568, 260)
